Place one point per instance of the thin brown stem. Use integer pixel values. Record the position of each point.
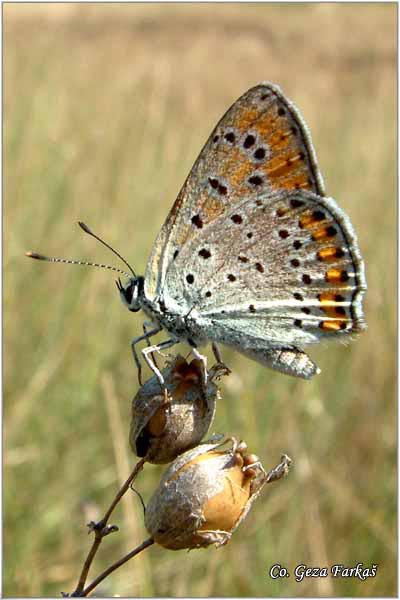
(101, 529)
(124, 488)
(86, 566)
(115, 565)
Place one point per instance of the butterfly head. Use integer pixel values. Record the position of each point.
(132, 293)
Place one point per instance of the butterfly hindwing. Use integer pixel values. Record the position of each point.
(283, 266)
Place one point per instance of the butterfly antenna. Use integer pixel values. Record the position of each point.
(69, 261)
(90, 232)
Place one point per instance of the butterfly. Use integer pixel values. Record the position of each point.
(253, 255)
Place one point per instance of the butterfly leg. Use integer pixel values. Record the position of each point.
(135, 341)
(203, 360)
(216, 352)
(147, 354)
(221, 366)
(291, 361)
(145, 325)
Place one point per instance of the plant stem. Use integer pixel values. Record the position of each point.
(101, 530)
(117, 564)
(124, 488)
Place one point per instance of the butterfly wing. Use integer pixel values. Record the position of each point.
(261, 144)
(278, 269)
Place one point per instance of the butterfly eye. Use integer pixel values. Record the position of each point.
(128, 293)
(131, 294)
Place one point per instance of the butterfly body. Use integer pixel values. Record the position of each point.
(166, 314)
(252, 254)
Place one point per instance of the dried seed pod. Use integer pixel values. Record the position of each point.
(203, 496)
(165, 425)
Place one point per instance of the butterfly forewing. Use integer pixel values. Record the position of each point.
(260, 145)
(281, 266)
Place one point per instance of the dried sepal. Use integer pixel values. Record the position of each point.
(165, 424)
(204, 495)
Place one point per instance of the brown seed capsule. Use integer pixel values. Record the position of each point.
(163, 426)
(203, 496)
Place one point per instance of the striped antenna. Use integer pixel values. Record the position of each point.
(69, 261)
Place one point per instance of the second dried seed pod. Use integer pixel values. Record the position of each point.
(205, 494)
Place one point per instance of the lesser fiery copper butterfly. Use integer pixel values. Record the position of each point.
(252, 254)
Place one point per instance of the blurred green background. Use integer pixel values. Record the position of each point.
(106, 108)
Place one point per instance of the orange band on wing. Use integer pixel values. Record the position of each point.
(332, 325)
(336, 276)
